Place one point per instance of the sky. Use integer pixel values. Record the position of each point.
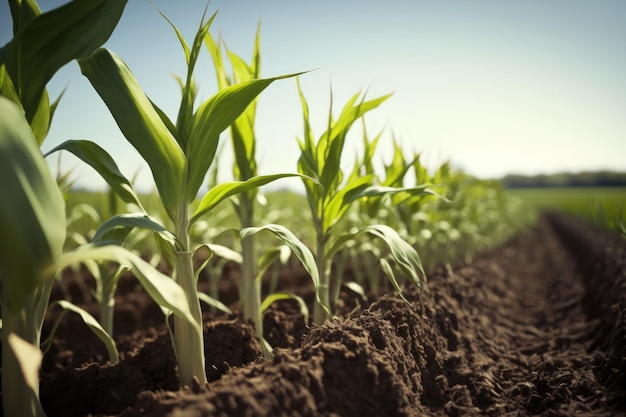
(495, 87)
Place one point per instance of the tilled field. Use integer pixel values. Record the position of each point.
(535, 327)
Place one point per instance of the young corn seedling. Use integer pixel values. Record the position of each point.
(179, 155)
(329, 204)
(244, 146)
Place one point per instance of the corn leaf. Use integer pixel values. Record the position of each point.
(93, 325)
(212, 302)
(402, 253)
(222, 251)
(52, 39)
(7, 89)
(225, 190)
(218, 61)
(117, 228)
(161, 288)
(40, 123)
(32, 210)
(388, 270)
(101, 161)
(140, 122)
(380, 190)
(357, 289)
(270, 256)
(302, 252)
(331, 144)
(23, 11)
(339, 203)
(185, 112)
(28, 358)
(166, 121)
(213, 117)
(272, 298)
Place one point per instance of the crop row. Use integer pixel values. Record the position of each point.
(378, 220)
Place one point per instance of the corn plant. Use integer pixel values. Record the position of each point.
(330, 203)
(32, 221)
(179, 155)
(245, 167)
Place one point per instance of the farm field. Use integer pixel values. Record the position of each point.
(386, 287)
(532, 327)
(602, 206)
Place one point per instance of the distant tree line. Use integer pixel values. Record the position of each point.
(581, 179)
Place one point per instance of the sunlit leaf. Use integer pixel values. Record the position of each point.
(161, 288)
(225, 190)
(212, 302)
(52, 39)
(32, 210)
(403, 254)
(272, 298)
(213, 117)
(116, 229)
(302, 252)
(101, 161)
(93, 325)
(28, 359)
(140, 122)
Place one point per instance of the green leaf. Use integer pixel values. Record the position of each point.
(116, 229)
(281, 253)
(140, 122)
(93, 325)
(185, 112)
(380, 190)
(166, 121)
(101, 161)
(272, 298)
(223, 252)
(357, 289)
(207, 299)
(213, 117)
(28, 360)
(402, 253)
(52, 39)
(23, 11)
(341, 200)
(40, 123)
(225, 190)
(218, 61)
(302, 252)
(388, 270)
(7, 89)
(32, 210)
(161, 288)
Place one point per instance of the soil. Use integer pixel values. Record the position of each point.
(534, 327)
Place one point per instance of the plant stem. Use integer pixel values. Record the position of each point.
(107, 298)
(323, 266)
(250, 288)
(188, 340)
(107, 306)
(18, 398)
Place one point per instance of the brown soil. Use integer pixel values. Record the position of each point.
(536, 327)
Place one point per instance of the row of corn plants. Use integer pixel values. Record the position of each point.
(351, 212)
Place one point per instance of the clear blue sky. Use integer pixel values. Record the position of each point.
(496, 87)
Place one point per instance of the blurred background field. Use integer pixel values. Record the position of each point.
(602, 206)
